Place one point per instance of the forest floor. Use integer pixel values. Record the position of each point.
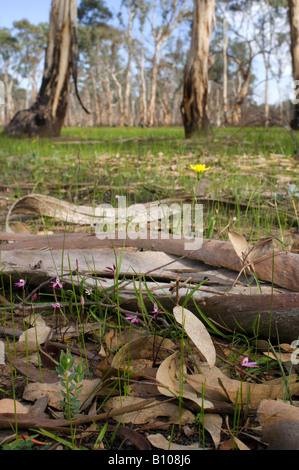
(102, 348)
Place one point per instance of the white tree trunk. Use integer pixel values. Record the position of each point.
(195, 98)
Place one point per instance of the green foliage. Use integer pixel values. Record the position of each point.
(71, 376)
(93, 13)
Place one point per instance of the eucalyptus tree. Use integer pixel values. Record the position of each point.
(172, 12)
(96, 36)
(32, 39)
(46, 116)
(9, 52)
(194, 106)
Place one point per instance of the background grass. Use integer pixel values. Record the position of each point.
(248, 179)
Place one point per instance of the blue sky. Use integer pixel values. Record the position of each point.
(36, 11)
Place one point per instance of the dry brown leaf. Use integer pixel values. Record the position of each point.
(253, 393)
(280, 424)
(209, 383)
(172, 411)
(240, 245)
(212, 424)
(159, 441)
(271, 411)
(30, 339)
(145, 347)
(34, 391)
(197, 332)
(171, 385)
(240, 444)
(8, 405)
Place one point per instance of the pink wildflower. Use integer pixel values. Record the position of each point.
(133, 318)
(21, 283)
(57, 305)
(57, 282)
(245, 363)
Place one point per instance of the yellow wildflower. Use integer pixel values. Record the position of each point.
(200, 168)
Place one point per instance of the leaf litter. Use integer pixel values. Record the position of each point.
(144, 381)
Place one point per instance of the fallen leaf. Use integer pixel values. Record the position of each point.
(135, 437)
(30, 339)
(271, 411)
(172, 385)
(207, 382)
(197, 332)
(34, 391)
(8, 405)
(159, 441)
(212, 423)
(173, 412)
(240, 245)
(146, 347)
(253, 393)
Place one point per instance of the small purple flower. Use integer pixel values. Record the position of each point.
(34, 297)
(156, 310)
(57, 305)
(112, 270)
(88, 291)
(57, 282)
(21, 283)
(132, 317)
(245, 363)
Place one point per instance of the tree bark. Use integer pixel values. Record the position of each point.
(242, 90)
(195, 96)
(142, 100)
(294, 27)
(225, 68)
(46, 116)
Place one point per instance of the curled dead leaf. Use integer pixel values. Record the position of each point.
(253, 393)
(170, 376)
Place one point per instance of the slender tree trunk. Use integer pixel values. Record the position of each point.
(108, 96)
(120, 99)
(95, 97)
(242, 89)
(194, 106)
(294, 27)
(267, 69)
(46, 116)
(9, 106)
(152, 103)
(127, 100)
(225, 68)
(142, 99)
